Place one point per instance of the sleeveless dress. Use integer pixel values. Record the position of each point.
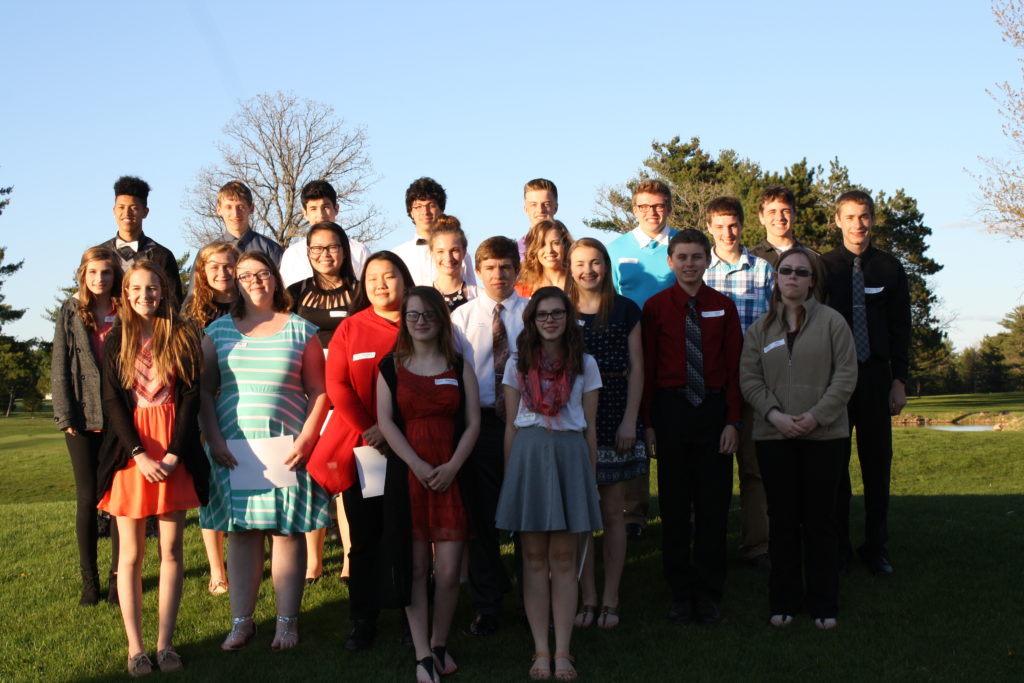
(261, 396)
(609, 345)
(130, 495)
(428, 406)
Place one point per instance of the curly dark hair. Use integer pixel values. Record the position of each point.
(423, 189)
(133, 187)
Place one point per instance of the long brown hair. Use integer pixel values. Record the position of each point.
(606, 289)
(529, 340)
(532, 270)
(776, 297)
(85, 297)
(175, 345)
(432, 301)
(200, 306)
(282, 302)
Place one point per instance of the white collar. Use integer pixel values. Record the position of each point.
(643, 239)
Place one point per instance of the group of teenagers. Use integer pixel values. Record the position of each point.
(521, 390)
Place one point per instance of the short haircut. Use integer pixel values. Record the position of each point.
(318, 189)
(498, 247)
(724, 206)
(654, 187)
(282, 302)
(690, 236)
(133, 187)
(448, 225)
(540, 184)
(423, 189)
(857, 197)
(775, 193)
(236, 190)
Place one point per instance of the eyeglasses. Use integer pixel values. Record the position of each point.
(414, 316)
(423, 206)
(790, 270)
(319, 250)
(558, 314)
(648, 208)
(246, 278)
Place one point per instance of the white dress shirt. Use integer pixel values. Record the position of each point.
(295, 262)
(421, 266)
(471, 325)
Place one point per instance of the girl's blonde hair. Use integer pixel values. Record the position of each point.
(85, 297)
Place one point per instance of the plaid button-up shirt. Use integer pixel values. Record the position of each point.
(748, 283)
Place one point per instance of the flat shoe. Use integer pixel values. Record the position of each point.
(565, 674)
(780, 620)
(139, 665)
(541, 669)
(585, 617)
(237, 638)
(169, 661)
(441, 659)
(287, 635)
(609, 617)
(826, 624)
(217, 587)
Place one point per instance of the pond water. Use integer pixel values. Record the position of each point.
(962, 428)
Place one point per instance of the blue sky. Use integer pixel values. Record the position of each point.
(484, 96)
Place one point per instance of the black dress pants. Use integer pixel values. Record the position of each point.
(692, 475)
(480, 480)
(869, 415)
(801, 478)
(84, 449)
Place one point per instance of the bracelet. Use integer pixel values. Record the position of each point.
(138, 450)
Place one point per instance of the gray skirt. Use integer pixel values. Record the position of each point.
(549, 484)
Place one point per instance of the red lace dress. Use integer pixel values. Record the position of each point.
(130, 495)
(428, 406)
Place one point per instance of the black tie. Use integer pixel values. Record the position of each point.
(694, 357)
(860, 317)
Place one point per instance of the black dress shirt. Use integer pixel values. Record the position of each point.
(886, 300)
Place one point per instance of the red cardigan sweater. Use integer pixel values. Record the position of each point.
(356, 348)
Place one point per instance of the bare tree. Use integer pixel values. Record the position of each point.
(1002, 185)
(275, 144)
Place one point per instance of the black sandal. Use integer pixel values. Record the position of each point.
(428, 665)
(441, 661)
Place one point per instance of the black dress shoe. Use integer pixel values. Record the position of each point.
(483, 625)
(634, 530)
(363, 633)
(707, 612)
(877, 561)
(681, 612)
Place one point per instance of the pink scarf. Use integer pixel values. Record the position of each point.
(550, 373)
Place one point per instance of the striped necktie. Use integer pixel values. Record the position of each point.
(694, 357)
(860, 316)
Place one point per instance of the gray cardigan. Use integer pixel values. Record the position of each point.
(74, 374)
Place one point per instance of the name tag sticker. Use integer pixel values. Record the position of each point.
(339, 314)
(110, 319)
(873, 290)
(240, 345)
(713, 314)
(365, 355)
(625, 259)
(774, 345)
(446, 381)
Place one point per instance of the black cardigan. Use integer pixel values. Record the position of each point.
(120, 437)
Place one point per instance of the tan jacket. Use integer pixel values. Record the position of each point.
(818, 376)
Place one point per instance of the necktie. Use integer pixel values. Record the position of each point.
(694, 357)
(860, 317)
(499, 346)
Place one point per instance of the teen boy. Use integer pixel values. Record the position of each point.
(748, 281)
(131, 206)
(869, 287)
(540, 203)
(776, 209)
(319, 205)
(425, 200)
(691, 407)
(639, 261)
(486, 329)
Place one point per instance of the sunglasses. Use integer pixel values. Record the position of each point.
(790, 270)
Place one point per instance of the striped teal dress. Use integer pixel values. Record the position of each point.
(261, 396)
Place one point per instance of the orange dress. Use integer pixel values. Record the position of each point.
(130, 495)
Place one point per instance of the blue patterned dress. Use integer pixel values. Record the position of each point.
(261, 396)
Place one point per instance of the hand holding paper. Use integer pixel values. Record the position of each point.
(261, 463)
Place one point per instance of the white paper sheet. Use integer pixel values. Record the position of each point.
(261, 463)
(372, 466)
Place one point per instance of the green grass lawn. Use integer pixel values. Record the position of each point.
(968, 408)
(954, 610)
